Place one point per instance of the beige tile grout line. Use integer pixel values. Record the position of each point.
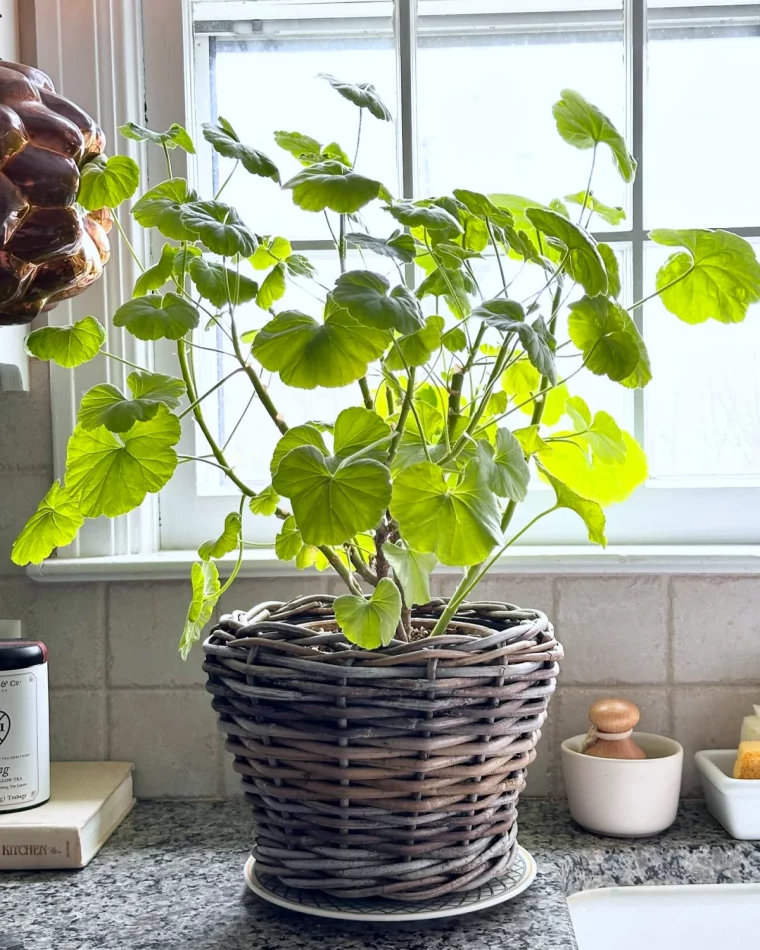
(670, 657)
(106, 664)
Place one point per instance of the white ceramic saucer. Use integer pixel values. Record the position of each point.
(519, 877)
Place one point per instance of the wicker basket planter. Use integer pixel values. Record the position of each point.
(391, 773)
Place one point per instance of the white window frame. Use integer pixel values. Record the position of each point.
(142, 57)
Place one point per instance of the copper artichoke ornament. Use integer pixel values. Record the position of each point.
(50, 247)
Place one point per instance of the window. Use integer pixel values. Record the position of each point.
(471, 84)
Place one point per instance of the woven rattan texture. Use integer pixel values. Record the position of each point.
(391, 773)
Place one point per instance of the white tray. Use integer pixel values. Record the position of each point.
(734, 802)
(517, 879)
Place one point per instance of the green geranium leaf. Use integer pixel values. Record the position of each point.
(272, 288)
(303, 147)
(224, 140)
(413, 570)
(521, 378)
(105, 183)
(111, 475)
(227, 541)
(560, 207)
(365, 296)
(456, 519)
(716, 277)
(505, 315)
(290, 546)
(156, 276)
(399, 246)
(454, 286)
(106, 405)
(265, 503)
(504, 466)
(204, 578)
(538, 343)
(424, 428)
(604, 480)
(612, 266)
(612, 215)
(362, 94)
(600, 328)
(308, 354)
(174, 137)
(67, 346)
(530, 440)
(219, 227)
(578, 410)
(162, 207)
(332, 185)
(523, 239)
(295, 437)
(358, 428)
(455, 340)
(271, 251)
(583, 126)
(168, 390)
(416, 348)
(54, 525)
(482, 206)
(157, 318)
(221, 285)
(589, 511)
(300, 266)
(606, 438)
(603, 435)
(370, 622)
(424, 214)
(584, 262)
(332, 502)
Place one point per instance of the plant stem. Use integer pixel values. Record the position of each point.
(120, 359)
(661, 290)
(340, 568)
(213, 389)
(226, 181)
(217, 452)
(358, 137)
(342, 243)
(498, 256)
(366, 394)
(261, 390)
(168, 159)
(126, 240)
(474, 574)
(403, 415)
(456, 382)
(587, 195)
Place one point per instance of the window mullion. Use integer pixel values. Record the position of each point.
(635, 38)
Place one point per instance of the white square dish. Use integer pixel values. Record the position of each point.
(734, 802)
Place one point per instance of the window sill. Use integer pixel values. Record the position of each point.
(655, 559)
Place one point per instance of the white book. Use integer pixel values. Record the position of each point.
(88, 801)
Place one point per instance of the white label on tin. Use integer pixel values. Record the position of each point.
(19, 733)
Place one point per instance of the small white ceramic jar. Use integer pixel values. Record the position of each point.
(624, 797)
(24, 725)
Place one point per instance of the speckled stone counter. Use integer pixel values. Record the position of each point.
(172, 877)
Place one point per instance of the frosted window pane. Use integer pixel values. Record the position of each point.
(485, 101)
(702, 407)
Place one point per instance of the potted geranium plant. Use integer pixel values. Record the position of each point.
(382, 735)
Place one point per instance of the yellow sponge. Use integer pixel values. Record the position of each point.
(748, 761)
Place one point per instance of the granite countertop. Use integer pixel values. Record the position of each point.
(172, 877)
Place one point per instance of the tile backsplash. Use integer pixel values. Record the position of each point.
(685, 648)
